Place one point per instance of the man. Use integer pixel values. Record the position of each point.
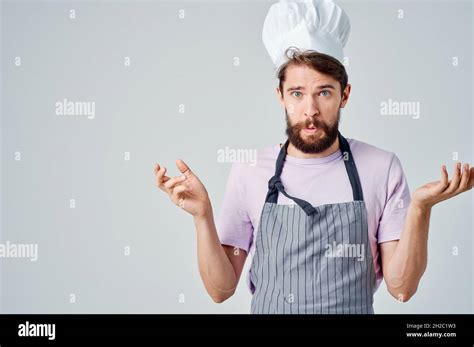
(323, 218)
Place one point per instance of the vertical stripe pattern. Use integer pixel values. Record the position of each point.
(313, 264)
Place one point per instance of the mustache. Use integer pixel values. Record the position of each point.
(311, 121)
(316, 121)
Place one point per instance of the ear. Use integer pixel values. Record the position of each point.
(280, 98)
(345, 95)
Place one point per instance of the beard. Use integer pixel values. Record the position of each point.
(313, 143)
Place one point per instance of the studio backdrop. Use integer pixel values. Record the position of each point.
(95, 93)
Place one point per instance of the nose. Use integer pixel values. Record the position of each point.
(312, 108)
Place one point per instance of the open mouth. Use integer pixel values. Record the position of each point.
(310, 130)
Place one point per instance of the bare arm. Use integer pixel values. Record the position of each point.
(220, 266)
(405, 261)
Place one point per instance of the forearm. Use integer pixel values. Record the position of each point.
(409, 260)
(215, 268)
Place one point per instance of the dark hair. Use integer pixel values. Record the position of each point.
(320, 62)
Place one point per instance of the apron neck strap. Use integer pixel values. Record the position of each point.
(275, 185)
(351, 169)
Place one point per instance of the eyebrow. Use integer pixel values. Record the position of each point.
(328, 86)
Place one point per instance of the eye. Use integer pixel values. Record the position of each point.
(326, 91)
(293, 93)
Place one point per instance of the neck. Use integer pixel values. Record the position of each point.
(292, 151)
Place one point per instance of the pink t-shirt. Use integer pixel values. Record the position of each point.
(319, 181)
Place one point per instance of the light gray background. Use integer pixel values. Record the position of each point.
(190, 61)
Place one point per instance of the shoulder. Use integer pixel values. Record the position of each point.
(368, 154)
(376, 164)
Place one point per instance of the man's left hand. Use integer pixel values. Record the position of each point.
(434, 192)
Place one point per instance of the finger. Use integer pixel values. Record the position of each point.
(161, 178)
(160, 175)
(177, 192)
(443, 183)
(471, 178)
(174, 181)
(453, 186)
(183, 167)
(157, 167)
(464, 178)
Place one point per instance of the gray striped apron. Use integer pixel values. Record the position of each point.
(313, 260)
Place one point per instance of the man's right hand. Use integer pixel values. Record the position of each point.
(220, 266)
(185, 191)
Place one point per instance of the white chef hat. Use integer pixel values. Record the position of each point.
(318, 25)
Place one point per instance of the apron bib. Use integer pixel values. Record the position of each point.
(313, 260)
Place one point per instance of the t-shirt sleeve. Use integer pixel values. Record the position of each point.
(233, 224)
(392, 220)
